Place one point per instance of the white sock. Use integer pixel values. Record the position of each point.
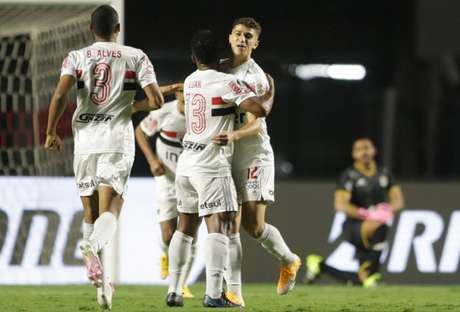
(164, 247)
(88, 229)
(104, 228)
(273, 242)
(189, 264)
(216, 260)
(179, 252)
(233, 269)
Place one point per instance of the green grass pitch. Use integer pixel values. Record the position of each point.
(259, 297)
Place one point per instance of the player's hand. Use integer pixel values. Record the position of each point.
(363, 213)
(382, 213)
(53, 142)
(224, 138)
(271, 84)
(157, 169)
(270, 94)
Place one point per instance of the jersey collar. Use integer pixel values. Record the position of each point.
(368, 172)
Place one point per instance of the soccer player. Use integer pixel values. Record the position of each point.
(253, 167)
(369, 196)
(204, 184)
(168, 124)
(106, 75)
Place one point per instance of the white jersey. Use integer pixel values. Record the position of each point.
(169, 123)
(107, 75)
(254, 150)
(210, 101)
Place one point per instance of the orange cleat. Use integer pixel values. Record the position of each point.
(288, 274)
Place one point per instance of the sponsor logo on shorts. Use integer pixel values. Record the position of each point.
(86, 185)
(193, 146)
(211, 205)
(88, 117)
(252, 186)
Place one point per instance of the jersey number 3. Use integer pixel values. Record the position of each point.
(102, 83)
(198, 109)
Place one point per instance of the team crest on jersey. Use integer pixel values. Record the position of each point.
(235, 88)
(260, 88)
(383, 181)
(361, 182)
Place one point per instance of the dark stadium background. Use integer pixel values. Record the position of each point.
(314, 122)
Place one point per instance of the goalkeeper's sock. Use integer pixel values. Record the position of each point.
(342, 276)
(104, 228)
(216, 259)
(179, 253)
(274, 243)
(88, 229)
(233, 269)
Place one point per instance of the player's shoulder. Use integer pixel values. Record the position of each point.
(210, 76)
(258, 73)
(254, 68)
(169, 107)
(384, 171)
(131, 51)
(77, 53)
(350, 173)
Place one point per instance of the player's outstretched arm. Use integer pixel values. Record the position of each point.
(57, 108)
(251, 128)
(396, 198)
(260, 106)
(172, 88)
(342, 202)
(154, 99)
(156, 167)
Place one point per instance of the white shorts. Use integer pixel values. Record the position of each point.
(205, 195)
(255, 184)
(165, 198)
(110, 169)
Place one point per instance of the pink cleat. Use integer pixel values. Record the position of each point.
(92, 263)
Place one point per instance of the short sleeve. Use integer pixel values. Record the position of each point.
(345, 182)
(69, 66)
(149, 125)
(145, 72)
(238, 91)
(261, 85)
(391, 181)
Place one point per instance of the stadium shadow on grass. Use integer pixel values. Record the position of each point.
(259, 297)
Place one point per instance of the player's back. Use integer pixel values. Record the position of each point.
(107, 74)
(210, 101)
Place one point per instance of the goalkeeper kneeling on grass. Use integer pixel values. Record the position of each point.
(369, 197)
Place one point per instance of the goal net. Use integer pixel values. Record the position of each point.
(34, 39)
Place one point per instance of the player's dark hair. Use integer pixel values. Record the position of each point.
(104, 20)
(205, 48)
(248, 22)
(363, 138)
